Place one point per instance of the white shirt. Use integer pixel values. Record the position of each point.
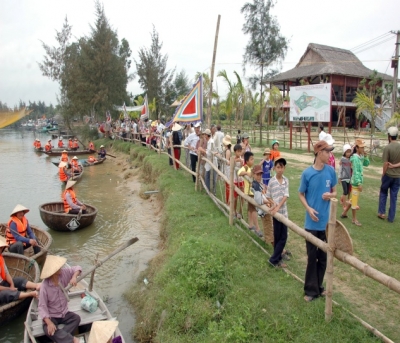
(191, 141)
(210, 154)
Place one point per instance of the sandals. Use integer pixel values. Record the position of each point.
(308, 298)
(356, 223)
(381, 216)
(343, 216)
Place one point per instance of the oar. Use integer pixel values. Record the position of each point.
(111, 155)
(99, 263)
(79, 214)
(30, 333)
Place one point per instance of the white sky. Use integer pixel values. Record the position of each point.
(187, 29)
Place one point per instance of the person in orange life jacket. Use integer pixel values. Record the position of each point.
(48, 146)
(63, 173)
(91, 146)
(12, 289)
(60, 143)
(19, 235)
(70, 145)
(75, 145)
(64, 156)
(76, 168)
(37, 143)
(71, 204)
(102, 152)
(91, 159)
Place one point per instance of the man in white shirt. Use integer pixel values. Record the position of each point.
(210, 153)
(192, 143)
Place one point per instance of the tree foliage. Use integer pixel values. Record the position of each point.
(153, 75)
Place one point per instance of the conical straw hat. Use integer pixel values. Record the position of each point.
(52, 265)
(19, 208)
(3, 242)
(102, 331)
(62, 165)
(70, 183)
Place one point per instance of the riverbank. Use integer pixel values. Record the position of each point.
(210, 283)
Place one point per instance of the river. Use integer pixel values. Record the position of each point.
(30, 179)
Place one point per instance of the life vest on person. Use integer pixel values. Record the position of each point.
(70, 144)
(73, 197)
(35, 143)
(47, 147)
(91, 146)
(2, 268)
(60, 144)
(63, 176)
(75, 166)
(38, 145)
(75, 145)
(64, 157)
(91, 159)
(22, 226)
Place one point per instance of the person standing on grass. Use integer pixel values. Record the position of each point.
(191, 142)
(329, 139)
(275, 153)
(238, 180)
(245, 143)
(227, 143)
(267, 164)
(358, 162)
(277, 194)
(345, 173)
(390, 175)
(176, 143)
(210, 153)
(317, 187)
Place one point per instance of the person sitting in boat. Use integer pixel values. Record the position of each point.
(70, 145)
(75, 166)
(103, 331)
(102, 152)
(71, 203)
(53, 305)
(60, 143)
(12, 289)
(63, 172)
(64, 156)
(91, 146)
(75, 144)
(48, 146)
(19, 235)
(91, 159)
(37, 143)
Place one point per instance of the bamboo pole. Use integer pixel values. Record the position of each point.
(92, 275)
(231, 190)
(330, 259)
(172, 151)
(196, 184)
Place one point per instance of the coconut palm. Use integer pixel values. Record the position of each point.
(365, 102)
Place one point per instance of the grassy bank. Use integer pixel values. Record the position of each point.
(210, 283)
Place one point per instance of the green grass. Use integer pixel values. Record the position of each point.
(210, 283)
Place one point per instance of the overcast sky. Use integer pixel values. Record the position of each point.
(187, 29)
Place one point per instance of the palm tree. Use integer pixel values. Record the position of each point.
(230, 102)
(365, 102)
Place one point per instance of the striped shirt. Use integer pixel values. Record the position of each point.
(276, 191)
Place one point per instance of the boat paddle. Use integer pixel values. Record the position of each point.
(111, 155)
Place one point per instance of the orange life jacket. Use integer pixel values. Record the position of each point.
(70, 144)
(47, 147)
(73, 197)
(64, 157)
(75, 165)
(91, 159)
(38, 145)
(75, 144)
(63, 176)
(21, 227)
(60, 144)
(91, 146)
(35, 143)
(2, 268)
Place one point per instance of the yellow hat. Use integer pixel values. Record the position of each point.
(52, 265)
(102, 331)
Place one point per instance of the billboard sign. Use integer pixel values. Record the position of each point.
(311, 103)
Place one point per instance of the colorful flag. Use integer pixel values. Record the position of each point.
(126, 115)
(145, 110)
(108, 117)
(191, 108)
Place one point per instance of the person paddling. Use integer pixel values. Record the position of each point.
(102, 152)
(71, 203)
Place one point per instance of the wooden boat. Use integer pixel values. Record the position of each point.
(18, 265)
(77, 176)
(38, 149)
(57, 152)
(53, 215)
(84, 163)
(44, 239)
(35, 323)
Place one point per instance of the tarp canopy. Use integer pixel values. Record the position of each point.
(129, 108)
(10, 117)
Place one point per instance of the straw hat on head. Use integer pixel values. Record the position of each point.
(227, 140)
(65, 151)
(245, 135)
(62, 164)
(176, 127)
(207, 132)
(70, 183)
(267, 151)
(101, 146)
(102, 331)
(49, 140)
(360, 143)
(3, 242)
(52, 265)
(60, 138)
(393, 131)
(19, 208)
(74, 158)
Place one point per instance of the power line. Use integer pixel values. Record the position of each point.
(372, 46)
(370, 41)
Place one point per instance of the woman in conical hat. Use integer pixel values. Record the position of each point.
(12, 289)
(53, 306)
(19, 235)
(102, 331)
(72, 205)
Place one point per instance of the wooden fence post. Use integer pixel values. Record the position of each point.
(330, 257)
(232, 210)
(196, 185)
(172, 151)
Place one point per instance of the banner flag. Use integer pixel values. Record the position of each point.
(145, 110)
(191, 108)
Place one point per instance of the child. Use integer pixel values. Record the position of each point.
(238, 181)
(275, 153)
(277, 193)
(358, 161)
(345, 173)
(259, 190)
(267, 165)
(226, 142)
(238, 138)
(251, 210)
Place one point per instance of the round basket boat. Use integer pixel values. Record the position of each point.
(44, 239)
(53, 215)
(18, 265)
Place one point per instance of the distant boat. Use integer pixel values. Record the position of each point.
(57, 152)
(85, 163)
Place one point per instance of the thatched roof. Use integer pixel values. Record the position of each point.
(326, 60)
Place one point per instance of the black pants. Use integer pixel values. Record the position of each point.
(18, 248)
(280, 238)
(76, 211)
(193, 164)
(8, 296)
(71, 322)
(316, 266)
(170, 158)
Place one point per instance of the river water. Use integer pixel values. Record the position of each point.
(30, 179)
